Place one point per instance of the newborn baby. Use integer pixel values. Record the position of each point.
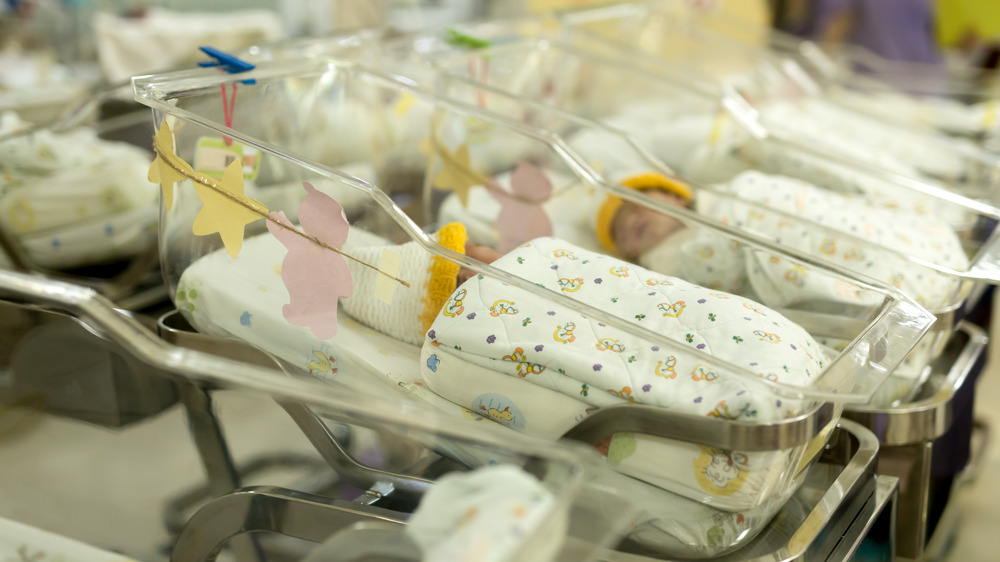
(846, 232)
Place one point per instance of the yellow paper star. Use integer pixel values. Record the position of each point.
(457, 174)
(227, 213)
(160, 171)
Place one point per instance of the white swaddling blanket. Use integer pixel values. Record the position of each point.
(917, 236)
(502, 330)
(863, 137)
(708, 259)
(493, 514)
(74, 198)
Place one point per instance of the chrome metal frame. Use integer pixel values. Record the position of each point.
(853, 500)
(633, 418)
(910, 434)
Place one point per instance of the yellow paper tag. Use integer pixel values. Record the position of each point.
(991, 114)
(212, 157)
(404, 104)
(385, 286)
(717, 125)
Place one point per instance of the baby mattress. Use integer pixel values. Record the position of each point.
(249, 307)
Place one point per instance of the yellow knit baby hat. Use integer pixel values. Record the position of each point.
(443, 274)
(642, 182)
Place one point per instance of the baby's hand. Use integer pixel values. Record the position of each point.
(482, 253)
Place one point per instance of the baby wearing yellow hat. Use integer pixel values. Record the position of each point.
(633, 231)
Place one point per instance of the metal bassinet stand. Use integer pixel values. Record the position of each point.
(927, 443)
(841, 504)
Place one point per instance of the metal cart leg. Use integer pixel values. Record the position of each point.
(206, 431)
(912, 465)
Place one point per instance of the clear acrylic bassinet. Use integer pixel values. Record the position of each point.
(905, 93)
(334, 144)
(321, 458)
(787, 100)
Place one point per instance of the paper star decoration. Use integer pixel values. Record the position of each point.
(315, 276)
(226, 210)
(160, 171)
(457, 174)
(522, 217)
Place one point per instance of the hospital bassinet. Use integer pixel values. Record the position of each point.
(955, 101)
(787, 100)
(623, 121)
(74, 199)
(393, 156)
(902, 92)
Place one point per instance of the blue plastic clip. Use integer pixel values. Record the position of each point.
(227, 62)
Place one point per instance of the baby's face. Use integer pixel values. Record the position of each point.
(637, 229)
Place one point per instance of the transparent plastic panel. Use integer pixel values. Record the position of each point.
(905, 93)
(531, 325)
(654, 122)
(658, 30)
(950, 109)
(429, 149)
(954, 164)
(74, 198)
(928, 243)
(950, 99)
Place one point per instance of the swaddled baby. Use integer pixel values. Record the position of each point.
(847, 232)
(73, 198)
(840, 229)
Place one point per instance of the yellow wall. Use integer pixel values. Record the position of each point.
(956, 17)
